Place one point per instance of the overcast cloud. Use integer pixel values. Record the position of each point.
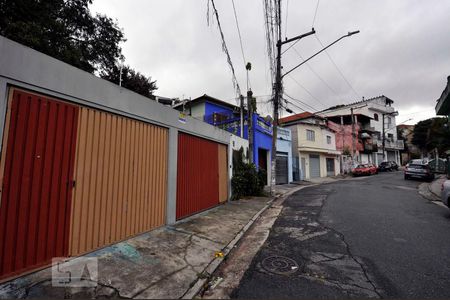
(402, 52)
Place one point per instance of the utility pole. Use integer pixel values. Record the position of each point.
(353, 137)
(120, 75)
(248, 67)
(276, 101)
(250, 124)
(278, 91)
(278, 81)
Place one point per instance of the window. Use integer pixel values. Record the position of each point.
(391, 137)
(375, 117)
(328, 140)
(310, 135)
(389, 122)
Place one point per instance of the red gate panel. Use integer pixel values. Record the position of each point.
(37, 180)
(198, 175)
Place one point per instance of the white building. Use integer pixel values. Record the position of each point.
(381, 115)
(313, 147)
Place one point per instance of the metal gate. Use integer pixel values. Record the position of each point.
(282, 168)
(37, 167)
(198, 175)
(391, 156)
(330, 166)
(314, 166)
(121, 180)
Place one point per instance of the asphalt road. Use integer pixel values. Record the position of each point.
(373, 237)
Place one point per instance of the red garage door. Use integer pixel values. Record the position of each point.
(37, 163)
(198, 175)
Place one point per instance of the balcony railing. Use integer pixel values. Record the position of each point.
(388, 144)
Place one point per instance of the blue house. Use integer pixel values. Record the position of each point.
(227, 116)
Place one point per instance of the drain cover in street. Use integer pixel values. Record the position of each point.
(280, 265)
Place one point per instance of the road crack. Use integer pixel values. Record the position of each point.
(349, 252)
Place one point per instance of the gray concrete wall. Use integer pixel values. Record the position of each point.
(26, 68)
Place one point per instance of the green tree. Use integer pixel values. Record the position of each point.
(66, 30)
(131, 79)
(63, 29)
(431, 134)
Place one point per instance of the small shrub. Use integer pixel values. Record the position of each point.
(246, 180)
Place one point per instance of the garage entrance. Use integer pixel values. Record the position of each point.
(314, 165)
(282, 168)
(202, 175)
(37, 169)
(330, 166)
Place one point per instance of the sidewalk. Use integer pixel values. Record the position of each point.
(321, 180)
(169, 262)
(435, 185)
(432, 190)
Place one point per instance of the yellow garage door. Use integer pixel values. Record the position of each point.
(120, 180)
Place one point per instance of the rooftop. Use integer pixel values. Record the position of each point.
(208, 98)
(296, 117)
(388, 101)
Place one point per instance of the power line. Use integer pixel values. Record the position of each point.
(337, 68)
(301, 102)
(293, 104)
(239, 32)
(418, 112)
(287, 10)
(224, 47)
(315, 13)
(315, 73)
(306, 90)
(269, 19)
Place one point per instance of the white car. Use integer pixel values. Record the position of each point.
(445, 192)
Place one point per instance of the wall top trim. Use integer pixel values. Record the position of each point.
(22, 65)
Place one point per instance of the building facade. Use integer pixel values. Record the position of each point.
(373, 137)
(284, 172)
(406, 133)
(313, 147)
(226, 116)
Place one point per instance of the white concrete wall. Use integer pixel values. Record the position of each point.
(197, 111)
(236, 143)
(325, 133)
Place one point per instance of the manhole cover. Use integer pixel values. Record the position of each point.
(279, 265)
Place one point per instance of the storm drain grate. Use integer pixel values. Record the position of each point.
(280, 265)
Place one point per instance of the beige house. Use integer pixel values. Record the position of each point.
(313, 147)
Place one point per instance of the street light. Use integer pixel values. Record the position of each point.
(344, 36)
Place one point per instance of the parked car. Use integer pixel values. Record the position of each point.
(394, 166)
(445, 192)
(364, 169)
(385, 166)
(373, 169)
(418, 170)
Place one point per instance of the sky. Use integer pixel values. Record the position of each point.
(402, 50)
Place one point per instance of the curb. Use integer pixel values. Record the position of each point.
(198, 284)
